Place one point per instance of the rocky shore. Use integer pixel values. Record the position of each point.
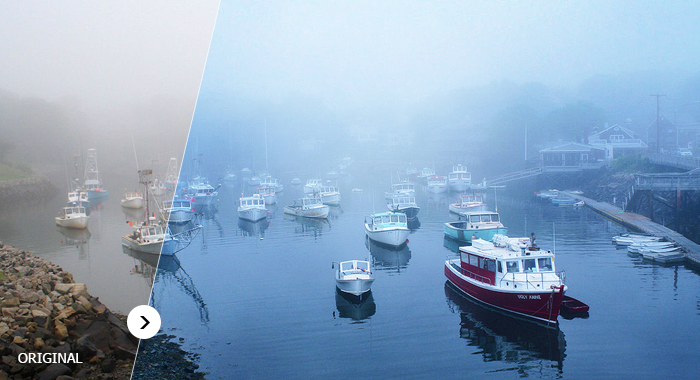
(34, 189)
(45, 311)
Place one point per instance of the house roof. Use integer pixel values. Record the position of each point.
(570, 147)
(616, 129)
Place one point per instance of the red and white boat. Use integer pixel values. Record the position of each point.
(522, 281)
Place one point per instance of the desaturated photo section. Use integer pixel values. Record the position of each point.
(91, 95)
(357, 196)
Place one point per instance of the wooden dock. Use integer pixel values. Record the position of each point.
(641, 223)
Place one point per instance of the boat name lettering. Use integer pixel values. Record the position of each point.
(532, 297)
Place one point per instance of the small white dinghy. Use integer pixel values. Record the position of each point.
(353, 277)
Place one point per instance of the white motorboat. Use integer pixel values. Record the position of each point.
(330, 195)
(652, 254)
(132, 199)
(177, 211)
(437, 184)
(353, 277)
(272, 182)
(468, 203)
(460, 179)
(313, 185)
(547, 194)
(296, 181)
(171, 175)
(405, 205)
(252, 208)
(388, 228)
(402, 188)
(73, 217)
(308, 208)
(150, 238)
(268, 193)
(202, 192)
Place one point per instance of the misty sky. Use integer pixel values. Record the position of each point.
(98, 53)
(355, 53)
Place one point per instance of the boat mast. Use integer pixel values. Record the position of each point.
(145, 180)
(266, 166)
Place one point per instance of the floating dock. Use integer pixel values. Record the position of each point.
(641, 223)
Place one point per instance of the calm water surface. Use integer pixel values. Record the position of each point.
(258, 301)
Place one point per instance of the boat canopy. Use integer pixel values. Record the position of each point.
(354, 266)
(481, 217)
(73, 210)
(402, 187)
(388, 219)
(255, 200)
(403, 200)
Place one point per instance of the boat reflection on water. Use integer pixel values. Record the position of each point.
(170, 273)
(308, 226)
(335, 212)
(506, 338)
(385, 258)
(352, 307)
(255, 229)
(134, 214)
(76, 238)
(438, 202)
(207, 212)
(453, 245)
(413, 225)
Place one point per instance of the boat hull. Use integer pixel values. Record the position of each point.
(459, 186)
(333, 200)
(153, 248)
(252, 214)
(94, 195)
(316, 212)
(457, 209)
(134, 203)
(355, 287)
(78, 223)
(537, 304)
(270, 199)
(411, 212)
(465, 235)
(180, 216)
(393, 238)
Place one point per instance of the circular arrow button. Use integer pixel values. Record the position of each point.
(143, 322)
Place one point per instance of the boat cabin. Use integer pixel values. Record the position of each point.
(78, 196)
(266, 190)
(526, 268)
(476, 220)
(178, 204)
(386, 220)
(354, 267)
(427, 172)
(437, 180)
(402, 188)
(150, 233)
(256, 201)
(328, 190)
(314, 182)
(471, 199)
(307, 202)
(402, 201)
(92, 185)
(73, 212)
(133, 195)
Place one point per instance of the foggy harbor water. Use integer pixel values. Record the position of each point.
(94, 255)
(258, 300)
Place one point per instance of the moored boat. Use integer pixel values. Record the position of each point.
(330, 195)
(388, 228)
(523, 282)
(313, 185)
(468, 202)
(150, 238)
(459, 179)
(309, 208)
(402, 188)
(177, 211)
(132, 199)
(78, 197)
(353, 277)
(475, 225)
(405, 205)
(92, 183)
(202, 192)
(268, 193)
(72, 217)
(252, 208)
(436, 184)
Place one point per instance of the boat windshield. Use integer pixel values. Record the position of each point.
(346, 266)
(363, 266)
(474, 218)
(512, 266)
(545, 263)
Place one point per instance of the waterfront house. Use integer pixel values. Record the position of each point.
(617, 141)
(572, 157)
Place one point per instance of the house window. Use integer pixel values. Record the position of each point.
(616, 138)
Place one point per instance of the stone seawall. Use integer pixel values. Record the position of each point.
(45, 311)
(34, 189)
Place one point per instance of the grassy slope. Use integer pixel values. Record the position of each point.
(8, 173)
